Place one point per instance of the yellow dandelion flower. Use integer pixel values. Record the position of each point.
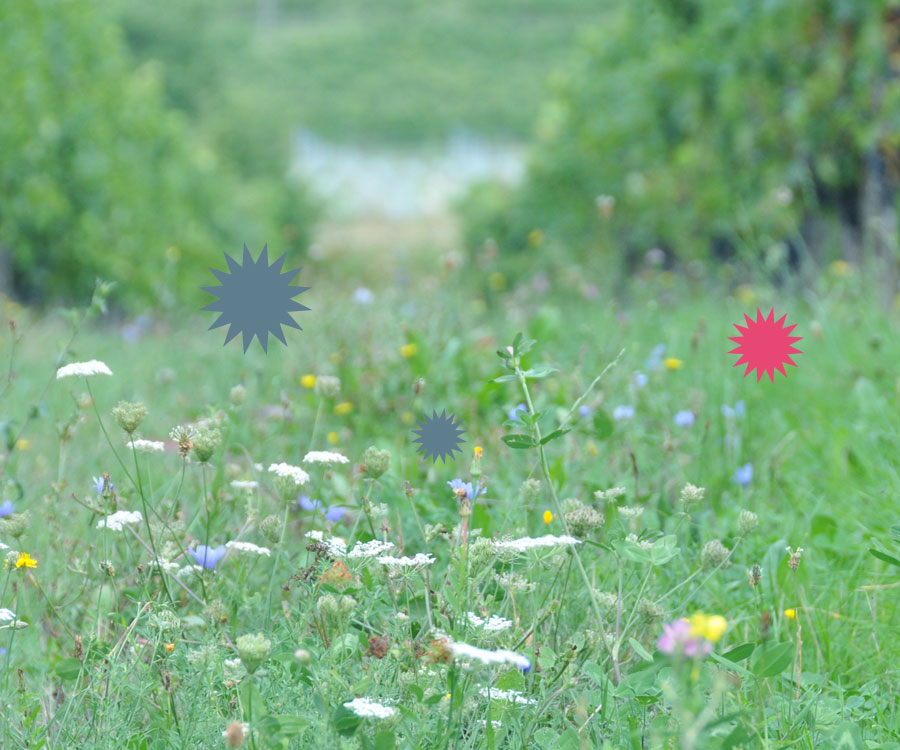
(711, 627)
(24, 560)
(333, 438)
(343, 408)
(548, 516)
(23, 445)
(408, 350)
(673, 363)
(170, 647)
(790, 613)
(478, 451)
(308, 381)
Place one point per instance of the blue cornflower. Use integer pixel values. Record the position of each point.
(98, 485)
(513, 413)
(684, 418)
(471, 491)
(332, 512)
(737, 411)
(208, 557)
(744, 475)
(640, 380)
(7, 508)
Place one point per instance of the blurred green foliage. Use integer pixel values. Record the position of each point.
(712, 126)
(100, 177)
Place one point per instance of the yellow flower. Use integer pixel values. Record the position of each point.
(24, 560)
(170, 647)
(408, 350)
(406, 417)
(333, 438)
(535, 237)
(497, 281)
(308, 381)
(673, 363)
(711, 627)
(478, 451)
(23, 445)
(790, 613)
(548, 516)
(343, 408)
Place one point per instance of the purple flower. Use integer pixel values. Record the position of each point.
(7, 508)
(98, 484)
(471, 491)
(623, 412)
(640, 380)
(332, 512)
(744, 475)
(208, 557)
(676, 638)
(584, 410)
(513, 413)
(684, 418)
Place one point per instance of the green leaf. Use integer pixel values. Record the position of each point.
(518, 441)
(846, 737)
(345, 721)
(553, 435)
(884, 556)
(640, 650)
(772, 659)
(384, 740)
(664, 550)
(633, 552)
(416, 691)
(603, 426)
(67, 669)
(521, 345)
(251, 700)
(739, 653)
(505, 378)
(541, 371)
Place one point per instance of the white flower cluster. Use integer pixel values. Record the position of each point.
(7, 615)
(513, 696)
(148, 446)
(189, 570)
(293, 472)
(501, 656)
(613, 493)
(366, 708)
(417, 561)
(337, 546)
(248, 547)
(492, 624)
(117, 520)
(241, 484)
(527, 543)
(325, 457)
(94, 367)
(166, 566)
(371, 549)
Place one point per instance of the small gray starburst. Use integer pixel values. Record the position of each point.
(255, 299)
(439, 436)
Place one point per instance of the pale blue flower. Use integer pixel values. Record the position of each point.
(744, 475)
(684, 418)
(513, 413)
(471, 491)
(7, 508)
(332, 512)
(737, 411)
(640, 380)
(208, 557)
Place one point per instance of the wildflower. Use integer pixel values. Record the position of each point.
(514, 582)
(649, 610)
(794, 561)
(308, 380)
(373, 548)
(363, 296)
(117, 521)
(501, 656)
(676, 639)
(466, 489)
(613, 493)
(744, 475)
(129, 415)
(247, 547)
(655, 359)
(584, 519)
(417, 561)
(754, 574)
(710, 627)
(188, 571)
(102, 484)
(408, 350)
(15, 524)
(492, 624)
(7, 508)
(790, 613)
(184, 436)
(253, 650)
(325, 457)
(237, 395)
(369, 709)
(748, 521)
(205, 443)
(235, 733)
(343, 408)
(691, 495)
(631, 513)
(24, 560)
(513, 414)
(548, 517)
(302, 656)
(714, 554)
(684, 418)
(737, 411)
(376, 462)
(527, 543)
(332, 512)
(333, 437)
(147, 446)
(623, 412)
(240, 484)
(286, 471)
(584, 410)
(640, 380)
(7, 615)
(478, 453)
(94, 367)
(328, 386)
(673, 363)
(512, 696)
(208, 557)
(336, 546)
(170, 647)
(530, 489)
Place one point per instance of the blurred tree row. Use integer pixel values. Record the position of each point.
(100, 177)
(755, 128)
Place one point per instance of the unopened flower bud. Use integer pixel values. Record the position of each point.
(129, 415)
(714, 554)
(328, 386)
(253, 650)
(747, 522)
(376, 461)
(237, 395)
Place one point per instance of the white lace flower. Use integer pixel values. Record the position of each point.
(527, 543)
(7, 615)
(371, 549)
(94, 367)
(417, 561)
(4, 546)
(337, 546)
(188, 571)
(241, 484)
(248, 547)
(164, 565)
(493, 624)
(293, 472)
(148, 446)
(501, 656)
(325, 457)
(117, 520)
(513, 696)
(366, 708)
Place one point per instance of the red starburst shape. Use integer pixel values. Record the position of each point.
(765, 345)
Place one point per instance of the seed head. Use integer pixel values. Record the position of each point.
(691, 496)
(794, 560)
(376, 462)
(129, 415)
(205, 443)
(253, 650)
(714, 554)
(328, 386)
(754, 574)
(747, 522)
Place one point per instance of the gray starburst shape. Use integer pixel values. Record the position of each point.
(255, 299)
(439, 436)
